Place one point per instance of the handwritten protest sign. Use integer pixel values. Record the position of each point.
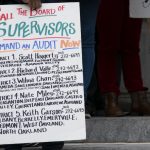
(41, 81)
(140, 8)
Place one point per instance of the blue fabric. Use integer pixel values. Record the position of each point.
(89, 10)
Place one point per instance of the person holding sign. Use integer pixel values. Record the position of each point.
(119, 35)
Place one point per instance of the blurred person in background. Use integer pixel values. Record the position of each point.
(119, 36)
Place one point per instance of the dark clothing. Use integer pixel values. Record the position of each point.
(52, 146)
(118, 35)
(13, 147)
(10, 2)
(45, 146)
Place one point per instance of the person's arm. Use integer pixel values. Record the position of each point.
(33, 4)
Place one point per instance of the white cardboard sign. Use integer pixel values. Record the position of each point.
(41, 81)
(140, 8)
